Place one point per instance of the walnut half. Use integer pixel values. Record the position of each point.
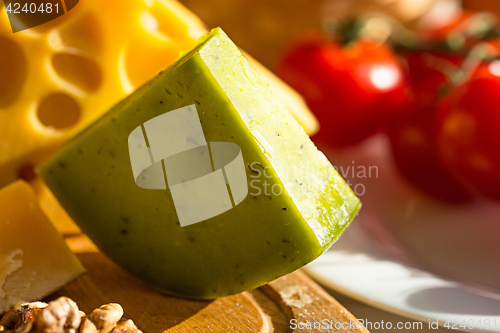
(102, 320)
(20, 314)
(62, 316)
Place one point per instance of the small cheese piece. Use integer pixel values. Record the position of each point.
(34, 259)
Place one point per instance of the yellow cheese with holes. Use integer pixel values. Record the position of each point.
(60, 76)
(34, 259)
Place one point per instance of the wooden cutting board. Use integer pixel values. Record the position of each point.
(290, 302)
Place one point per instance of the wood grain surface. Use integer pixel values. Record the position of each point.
(293, 301)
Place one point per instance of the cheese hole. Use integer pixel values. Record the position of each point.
(59, 111)
(80, 71)
(13, 71)
(167, 22)
(84, 33)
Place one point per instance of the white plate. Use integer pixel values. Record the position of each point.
(411, 255)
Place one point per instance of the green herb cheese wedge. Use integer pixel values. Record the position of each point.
(201, 183)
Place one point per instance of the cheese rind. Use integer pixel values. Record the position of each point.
(34, 259)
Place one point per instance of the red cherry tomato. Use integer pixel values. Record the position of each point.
(429, 75)
(412, 137)
(468, 134)
(353, 90)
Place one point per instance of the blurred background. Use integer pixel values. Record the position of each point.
(265, 28)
